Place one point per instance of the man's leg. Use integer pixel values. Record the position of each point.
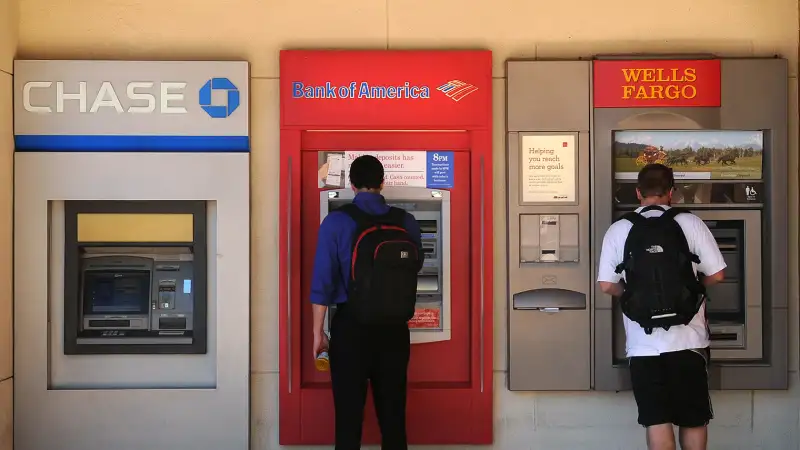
(650, 389)
(691, 401)
(390, 384)
(694, 438)
(661, 437)
(349, 358)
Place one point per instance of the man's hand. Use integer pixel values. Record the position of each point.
(612, 289)
(321, 343)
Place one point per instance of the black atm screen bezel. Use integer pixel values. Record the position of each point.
(72, 276)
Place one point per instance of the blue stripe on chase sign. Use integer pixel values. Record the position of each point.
(227, 144)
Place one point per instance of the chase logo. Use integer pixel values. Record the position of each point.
(457, 89)
(219, 111)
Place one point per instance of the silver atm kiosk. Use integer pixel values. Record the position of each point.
(549, 261)
(431, 208)
(730, 169)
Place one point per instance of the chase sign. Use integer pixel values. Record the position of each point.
(131, 106)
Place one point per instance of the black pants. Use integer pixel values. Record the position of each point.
(379, 355)
(672, 388)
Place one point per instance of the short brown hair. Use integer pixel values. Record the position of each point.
(655, 180)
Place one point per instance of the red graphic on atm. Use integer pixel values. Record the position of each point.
(657, 83)
(426, 318)
(456, 90)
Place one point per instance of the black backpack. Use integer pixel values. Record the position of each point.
(661, 287)
(385, 263)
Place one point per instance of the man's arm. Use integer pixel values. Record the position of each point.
(707, 249)
(612, 289)
(610, 257)
(326, 273)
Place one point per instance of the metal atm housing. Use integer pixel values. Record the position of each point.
(431, 209)
(549, 260)
(747, 312)
(564, 333)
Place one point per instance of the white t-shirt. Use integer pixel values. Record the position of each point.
(680, 337)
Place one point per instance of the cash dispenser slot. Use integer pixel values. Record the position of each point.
(549, 300)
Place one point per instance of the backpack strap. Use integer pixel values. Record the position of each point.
(673, 212)
(362, 219)
(395, 216)
(636, 219)
(670, 214)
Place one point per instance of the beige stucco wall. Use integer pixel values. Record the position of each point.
(8, 43)
(256, 29)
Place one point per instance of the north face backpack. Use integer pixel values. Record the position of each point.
(383, 273)
(661, 287)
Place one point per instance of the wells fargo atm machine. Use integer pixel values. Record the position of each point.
(721, 124)
(131, 182)
(427, 116)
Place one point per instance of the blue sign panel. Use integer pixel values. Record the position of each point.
(439, 170)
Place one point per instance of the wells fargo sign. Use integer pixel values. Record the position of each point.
(656, 83)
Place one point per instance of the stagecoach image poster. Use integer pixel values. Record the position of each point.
(692, 154)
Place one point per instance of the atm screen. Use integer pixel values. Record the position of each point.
(116, 292)
(692, 154)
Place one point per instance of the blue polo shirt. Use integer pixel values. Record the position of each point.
(335, 246)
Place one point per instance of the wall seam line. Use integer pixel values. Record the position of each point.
(387, 24)
(6, 379)
(7, 72)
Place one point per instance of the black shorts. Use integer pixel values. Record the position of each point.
(672, 388)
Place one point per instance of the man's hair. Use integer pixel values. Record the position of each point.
(655, 180)
(366, 172)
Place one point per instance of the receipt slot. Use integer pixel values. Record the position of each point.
(431, 209)
(442, 177)
(549, 263)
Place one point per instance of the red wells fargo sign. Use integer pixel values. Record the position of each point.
(656, 83)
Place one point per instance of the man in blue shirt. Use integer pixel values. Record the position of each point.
(360, 353)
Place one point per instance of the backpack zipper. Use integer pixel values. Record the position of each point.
(375, 255)
(361, 236)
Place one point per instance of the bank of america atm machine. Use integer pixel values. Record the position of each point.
(431, 209)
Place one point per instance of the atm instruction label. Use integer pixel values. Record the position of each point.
(432, 169)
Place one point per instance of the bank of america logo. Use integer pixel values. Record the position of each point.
(457, 89)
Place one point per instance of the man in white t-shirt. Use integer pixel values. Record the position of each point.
(668, 367)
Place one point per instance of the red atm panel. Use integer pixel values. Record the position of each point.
(450, 382)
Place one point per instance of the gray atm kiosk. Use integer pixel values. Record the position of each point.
(431, 208)
(132, 295)
(730, 162)
(549, 259)
(730, 168)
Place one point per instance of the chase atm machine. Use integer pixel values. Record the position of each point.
(131, 255)
(127, 295)
(431, 208)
